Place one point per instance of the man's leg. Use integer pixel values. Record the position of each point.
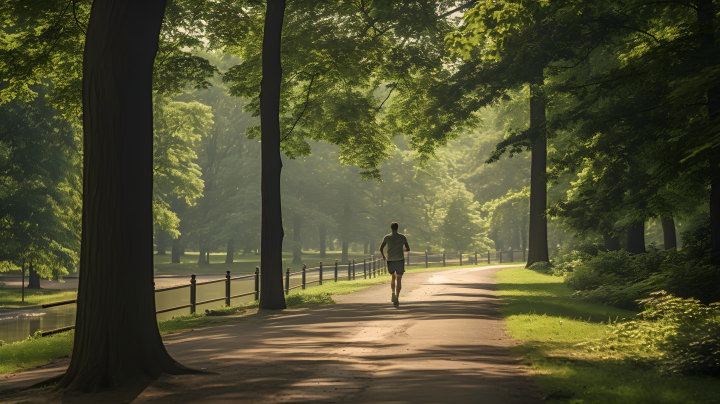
(392, 287)
(399, 284)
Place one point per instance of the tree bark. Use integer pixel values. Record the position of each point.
(271, 281)
(322, 236)
(297, 240)
(372, 249)
(669, 236)
(34, 278)
(636, 239)
(230, 252)
(612, 243)
(175, 255)
(202, 255)
(116, 333)
(345, 246)
(365, 247)
(706, 19)
(538, 243)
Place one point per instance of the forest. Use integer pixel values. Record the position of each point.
(282, 132)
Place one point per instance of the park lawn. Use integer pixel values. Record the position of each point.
(12, 297)
(23, 355)
(567, 370)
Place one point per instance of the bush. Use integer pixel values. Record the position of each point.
(682, 335)
(542, 267)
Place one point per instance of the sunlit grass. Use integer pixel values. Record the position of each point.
(12, 297)
(34, 351)
(535, 304)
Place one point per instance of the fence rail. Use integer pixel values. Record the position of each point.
(372, 266)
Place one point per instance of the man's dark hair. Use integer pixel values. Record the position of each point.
(393, 226)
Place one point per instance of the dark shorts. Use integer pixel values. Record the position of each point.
(396, 266)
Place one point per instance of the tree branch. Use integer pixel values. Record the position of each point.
(307, 102)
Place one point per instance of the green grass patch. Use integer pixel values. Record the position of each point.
(34, 351)
(12, 297)
(534, 306)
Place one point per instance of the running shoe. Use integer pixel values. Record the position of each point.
(396, 302)
(393, 298)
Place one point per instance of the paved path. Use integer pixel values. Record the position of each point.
(445, 343)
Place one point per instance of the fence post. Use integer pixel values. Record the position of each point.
(257, 283)
(408, 259)
(192, 294)
(488, 257)
(320, 282)
(353, 269)
(500, 256)
(349, 270)
(227, 288)
(460, 254)
(303, 276)
(336, 270)
(475, 257)
(287, 281)
(374, 266)
(443, 259)
(426, 259)
(364, 268)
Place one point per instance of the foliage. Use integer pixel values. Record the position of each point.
(567, 364)
(682, 335)
(35, 351)
(11, 297)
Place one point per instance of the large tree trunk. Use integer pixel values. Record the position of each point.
(230, 251)
(34, 278)
(372, 248)
(706, 18)
(345, 246)
(116, 332)
(297, 240)
(271, 281)
(175, 255)
(538, 242)
(669, 236)
(612, 243)
(322, 236)
(636, 239)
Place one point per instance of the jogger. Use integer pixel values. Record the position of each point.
(395, 259)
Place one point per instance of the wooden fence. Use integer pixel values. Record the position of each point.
(372, 266)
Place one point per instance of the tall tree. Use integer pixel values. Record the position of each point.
(116, 335)
(271, 286)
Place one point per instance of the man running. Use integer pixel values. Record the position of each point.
(395, 259)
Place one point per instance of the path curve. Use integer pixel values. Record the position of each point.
(445, 343)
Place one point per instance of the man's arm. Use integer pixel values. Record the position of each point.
(382, 245)
(407, 247)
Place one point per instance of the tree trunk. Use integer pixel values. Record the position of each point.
(706, 18)
(175, 255)
(669, 236)
(202, 255)
(116, 332)
(372, 248)
(230, 251)
(636, 239)
(297, 240)
(322, 236)
(538, 243)
(330, 244)
(34, 278)
(161, 242)
(345, 245)
(365, 247)
(271, 281)
(612, 243)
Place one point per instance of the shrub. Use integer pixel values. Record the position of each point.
(542, 267)
(682, 335)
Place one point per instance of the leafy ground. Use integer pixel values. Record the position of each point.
(36, 351)
(12, 297)
(554, 330)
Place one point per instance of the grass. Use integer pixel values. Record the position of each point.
(535, 304)
(11, 297)
(32, 352)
